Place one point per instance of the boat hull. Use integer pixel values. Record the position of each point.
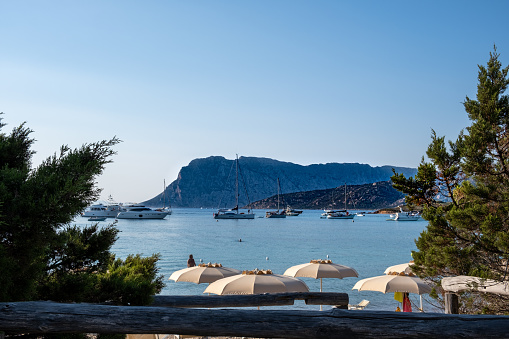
(234, 216)
(100, 214)
(341, 217)
(275, 215)
(108, 212)
(142, 215)
(404, 217)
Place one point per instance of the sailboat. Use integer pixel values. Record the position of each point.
(233, 213)
(276, 214)
(164, 208)
(342, 214)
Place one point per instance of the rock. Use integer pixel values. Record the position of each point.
(210, 183)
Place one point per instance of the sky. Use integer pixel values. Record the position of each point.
(305, 82)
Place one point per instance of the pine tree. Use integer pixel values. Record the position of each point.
(44, 257)
(464, 187)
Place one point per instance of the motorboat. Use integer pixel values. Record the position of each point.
(343, 214)
(233, 213)
(291, 212)
(110, 210)
(276, 214)
(141, 212)
(404, 216)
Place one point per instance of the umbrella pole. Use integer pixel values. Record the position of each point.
(320, 291)
(420, 298)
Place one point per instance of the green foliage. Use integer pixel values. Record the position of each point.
(43, 257)
(470, 234)
(130, 282)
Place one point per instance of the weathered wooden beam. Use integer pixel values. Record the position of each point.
(49, 317)
(451, 303)
(251, 300)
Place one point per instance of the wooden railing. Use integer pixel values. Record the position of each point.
(49, 317)
(340, 300)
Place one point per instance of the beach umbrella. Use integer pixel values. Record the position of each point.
(401, 268)
(256, 282)
(319, 269)
(393, 283)
(203, 273)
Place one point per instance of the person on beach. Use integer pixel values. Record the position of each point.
(190, 261)
(407, 306)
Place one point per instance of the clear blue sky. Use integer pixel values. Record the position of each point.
(299, 81)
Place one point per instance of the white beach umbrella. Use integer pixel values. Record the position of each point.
(319, 269)
(204, 273)
(256, 282)
(401, 268)
(393, 283)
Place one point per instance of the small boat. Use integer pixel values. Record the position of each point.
(233, 213)
(141, 212)
(96, 218)
(405, 216)
(165, 208)
(291, 212)
(276, 214)
(341, 214)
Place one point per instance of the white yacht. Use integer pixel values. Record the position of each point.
(291, 212)
(344, 214)
(404, 216)
(100, 210)
(142, 212)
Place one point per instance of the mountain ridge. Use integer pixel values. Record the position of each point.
(372, 196)
(209, 182)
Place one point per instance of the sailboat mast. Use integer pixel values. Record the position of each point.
(345, 196)
(237, 183)
(278, 195)
(164, 193)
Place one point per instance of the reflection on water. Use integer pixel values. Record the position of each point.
(369, 244)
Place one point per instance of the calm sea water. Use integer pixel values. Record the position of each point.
(369, 244)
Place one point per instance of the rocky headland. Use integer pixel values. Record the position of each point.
(210, 183)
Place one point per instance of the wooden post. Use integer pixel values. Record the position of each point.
(451, 303)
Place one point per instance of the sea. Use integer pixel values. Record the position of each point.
(369, 244)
